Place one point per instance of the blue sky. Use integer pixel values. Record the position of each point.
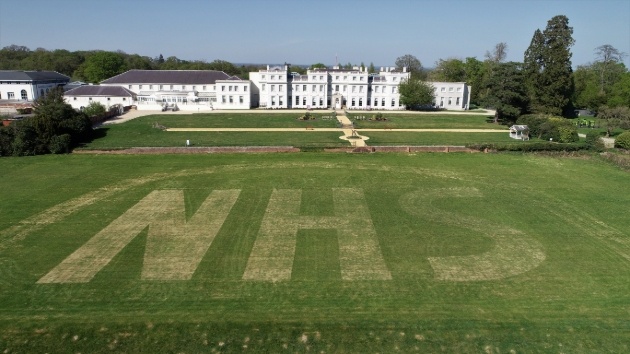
(307, 32)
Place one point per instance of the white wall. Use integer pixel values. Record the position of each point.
(83, 101)
(233, 94)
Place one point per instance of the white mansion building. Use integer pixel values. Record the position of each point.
(271, 88)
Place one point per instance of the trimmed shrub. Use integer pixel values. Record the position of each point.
(530, 147)
(594, 141)
(60, 144)
(623, 141)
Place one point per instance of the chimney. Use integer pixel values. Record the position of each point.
(381, 69)
(404, 69)
(267, 67)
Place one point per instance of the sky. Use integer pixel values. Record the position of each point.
(306, 32)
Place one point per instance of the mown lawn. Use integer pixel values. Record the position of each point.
(563, 221)
(236, 120)
(425, 121)
(435, 138)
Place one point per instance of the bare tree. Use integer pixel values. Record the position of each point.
(413, 65)
(607, 58)
(499, 53)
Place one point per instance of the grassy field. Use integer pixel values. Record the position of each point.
(314, 252)
(426, 121)
(145, 131)
(434, 138)
(236, 120)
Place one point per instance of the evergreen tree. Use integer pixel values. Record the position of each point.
(548, 66)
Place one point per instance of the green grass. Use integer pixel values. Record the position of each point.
(426, 121)
(435, 138)
(421, 206)
(235, 120)
(124, 136)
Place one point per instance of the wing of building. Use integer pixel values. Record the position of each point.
(81, 96)
(189, 90)
(28, 85)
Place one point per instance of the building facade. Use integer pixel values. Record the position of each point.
(188, 90)
(276, 87)
(81, 96)
(452, 95)
(29, 85)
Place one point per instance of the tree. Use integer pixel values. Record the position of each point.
(449, 70)
(416, 93)
(318, 66)
(475, 75)
(371, 68)
(499, 53)
(620, 93)
(548, 66)
(615, 117)
(506, 91)
(413, 65)
(103, 65)
(608, 57)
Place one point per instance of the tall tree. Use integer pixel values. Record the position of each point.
(416, 93)
(371, 68)
(548, 61)
(506, 91)
(608, 58)
(413, 65)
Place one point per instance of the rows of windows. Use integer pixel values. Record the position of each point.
(171, 87)
(232, 99)
(450, 89)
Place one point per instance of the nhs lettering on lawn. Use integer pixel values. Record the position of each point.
(175, 247)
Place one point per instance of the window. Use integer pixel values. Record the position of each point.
(459, 89)
(360, 102)
(41, 92)
(450, 89)
(24, 95)
(345, 88)
(109, 99)
(321, 101)
(171, 87)
(345, 78)
(273, 77)
(360, 88)
(304, 88)
(273, 100)
(223, 99)
(321, 78)
(336, 88)
(273, 88)
(281, 101)
(74, 98)
(11, 95)
(280, 78)
(263, 87)
(230, 88)
(297, 100)
(240, 99)
(314, 88)
(183, 87)
(303, 101)
(314, 102)
(354, 89)
(150, 87)
(194, 88)
(393, 102)
(235, 88)
(395, 78)
(457, 101)
(89, 99)
(321, 88)
(354, 78)
(279, 87)
(231, 99)
(376, 102)
(203, 87)
(393, 89)
(124, 98)
(376, 89)
(245, 88)
(361, 78)
(262, 77)
(383, 102)
(353, 102)
(337, 77)
(449, 101)
(443, 89)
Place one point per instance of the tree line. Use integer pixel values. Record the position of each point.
(97, 65)
(543, 83)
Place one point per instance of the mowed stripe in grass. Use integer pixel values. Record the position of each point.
(424, 121)
(575, 301)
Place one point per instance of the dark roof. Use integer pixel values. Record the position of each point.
(15, 75)
(97, 90)
(186, 77)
